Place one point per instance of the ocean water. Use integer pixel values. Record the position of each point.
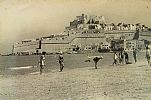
(14, 65)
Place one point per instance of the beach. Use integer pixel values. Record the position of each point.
(78, 81)
(122, 82)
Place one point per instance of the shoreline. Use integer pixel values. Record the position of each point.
(28, 64)
(127, 82)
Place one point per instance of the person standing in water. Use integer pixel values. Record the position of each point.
(121, 57)
(96, 59)
(148, 55)
(126, 57)
(61, 61)
(115, 59)
(42, 62)
(135, 55)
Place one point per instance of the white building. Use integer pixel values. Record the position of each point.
(130, 44)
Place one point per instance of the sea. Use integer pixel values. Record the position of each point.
(20, 65)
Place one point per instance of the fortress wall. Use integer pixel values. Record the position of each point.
(88, 41)
(126, 35)
(51, 48)
(28, 48)
(56, 47)
(64, 43)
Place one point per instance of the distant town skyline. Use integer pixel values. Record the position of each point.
(36, 18)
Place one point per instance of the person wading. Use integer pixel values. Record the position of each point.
(126, 57)
(115, 59)
(61, 61)
(96, 59)
(42, 62)
(121, 57)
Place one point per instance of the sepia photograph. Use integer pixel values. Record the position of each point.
(75, 49)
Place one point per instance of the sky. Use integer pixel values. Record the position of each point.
(27, 19)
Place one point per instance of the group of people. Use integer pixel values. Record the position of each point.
(119, 58)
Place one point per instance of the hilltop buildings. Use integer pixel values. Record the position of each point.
(86, 33)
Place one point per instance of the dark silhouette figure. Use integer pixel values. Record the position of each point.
(136, 35)
(61, 62)
(135, 55)
(121, 57)
(96, 59)
(126, 57)
(115, 58)
(148, 55)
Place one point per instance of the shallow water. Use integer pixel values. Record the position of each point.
(15, 65)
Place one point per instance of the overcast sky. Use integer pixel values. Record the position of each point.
(23, 19)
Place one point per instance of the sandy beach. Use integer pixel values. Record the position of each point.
(122, 82)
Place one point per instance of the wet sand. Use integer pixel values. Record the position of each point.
(122, 82)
